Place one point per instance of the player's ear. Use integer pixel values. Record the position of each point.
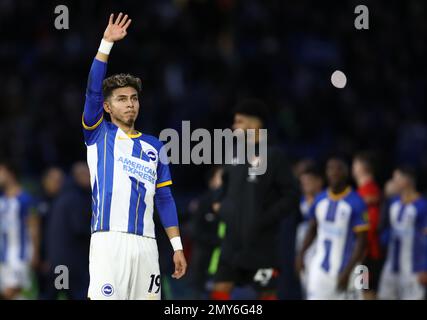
(107, 107)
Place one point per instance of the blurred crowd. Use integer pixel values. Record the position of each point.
(197, 59)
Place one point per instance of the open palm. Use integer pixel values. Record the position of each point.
(117, 30)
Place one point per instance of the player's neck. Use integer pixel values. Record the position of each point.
(128, 129)
(12, 189)
(364, 179)
(409, 195)
(338, 189)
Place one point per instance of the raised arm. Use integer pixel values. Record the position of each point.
(115, 31)
(93, 109)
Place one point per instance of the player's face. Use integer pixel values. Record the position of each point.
(81, 175)
(3, 175)
(310, 184)
(245, 122)
(53, 180)
(357, 168)
(336, 172)
(123, 105)
(216, 180)
(400, 181)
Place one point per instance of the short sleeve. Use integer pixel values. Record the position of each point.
(359, 216)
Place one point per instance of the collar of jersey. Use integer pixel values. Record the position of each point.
(136, 135)
(131, 136)
(410, 201)
(339, 196)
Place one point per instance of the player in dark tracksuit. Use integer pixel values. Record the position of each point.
(252, 208)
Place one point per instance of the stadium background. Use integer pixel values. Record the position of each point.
(198, 58)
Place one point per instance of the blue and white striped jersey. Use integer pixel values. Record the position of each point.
(407, 247)
(15, 245)
(125, 172)
(338, 218)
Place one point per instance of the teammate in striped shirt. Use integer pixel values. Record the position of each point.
(17, 235)
(129, 176)
(338, 219)
(311, 182)
(404, 275)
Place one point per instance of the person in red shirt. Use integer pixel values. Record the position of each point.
(363, 174)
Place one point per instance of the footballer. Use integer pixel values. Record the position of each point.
(128, 179)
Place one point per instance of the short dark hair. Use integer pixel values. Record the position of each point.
(367, 158)
(313, 170)
(254, 108)
(409, 172)
(120, 80)
(342, 159)
(12, 167)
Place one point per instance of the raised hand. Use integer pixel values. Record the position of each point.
(117, 30)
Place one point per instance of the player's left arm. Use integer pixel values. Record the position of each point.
(166, 208)
(360, 226)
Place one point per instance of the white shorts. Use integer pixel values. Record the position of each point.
(123, 266)
(323, 286)
(394, 286)
(14, 275)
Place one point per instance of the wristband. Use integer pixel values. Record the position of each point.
(105, 47)
(176, 243)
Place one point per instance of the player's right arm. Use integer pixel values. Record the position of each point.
(308, 240)
(93, 109)
(309, 237)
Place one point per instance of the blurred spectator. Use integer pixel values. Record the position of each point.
(51, 183)
(17, 234)
(204, 233)
(404, 276)
(363, 174)
(69, 232)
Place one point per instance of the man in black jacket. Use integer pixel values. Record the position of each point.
(252, 208)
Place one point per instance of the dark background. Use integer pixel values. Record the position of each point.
(198, 58)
